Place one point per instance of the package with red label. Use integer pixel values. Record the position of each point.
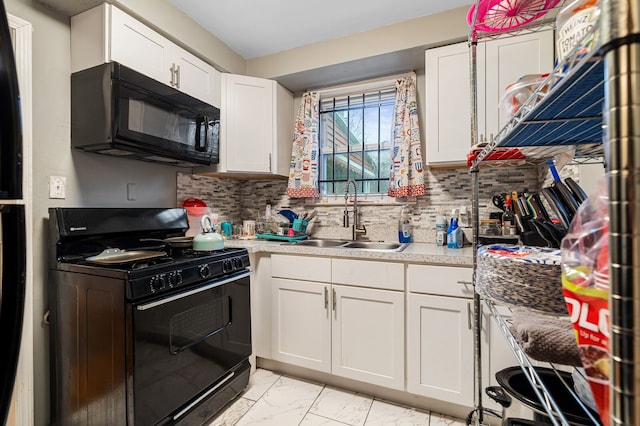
(585, 284)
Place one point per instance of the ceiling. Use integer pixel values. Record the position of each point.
(259, 28)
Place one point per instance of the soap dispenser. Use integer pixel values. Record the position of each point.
(405, 226)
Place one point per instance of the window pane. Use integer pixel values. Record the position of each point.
(355, 141)
(371, 128)
(326, 132)
(386, 126)
(355, 128)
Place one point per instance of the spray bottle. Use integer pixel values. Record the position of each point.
(405, 226)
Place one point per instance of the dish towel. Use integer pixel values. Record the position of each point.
(545, 338)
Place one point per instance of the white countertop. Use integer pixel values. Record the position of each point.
(414, 253)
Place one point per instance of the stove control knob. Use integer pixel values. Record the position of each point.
(175, 279)
(227, 266)
(154, 284)
(162, 279)
(205, 271)
(237, 262)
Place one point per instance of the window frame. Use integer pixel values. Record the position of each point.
(354, 90)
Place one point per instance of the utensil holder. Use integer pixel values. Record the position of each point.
(300, 226)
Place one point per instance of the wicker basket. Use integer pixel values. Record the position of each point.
(521, 276)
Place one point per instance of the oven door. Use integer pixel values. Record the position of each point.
(185, 342)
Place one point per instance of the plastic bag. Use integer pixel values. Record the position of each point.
(585, 285)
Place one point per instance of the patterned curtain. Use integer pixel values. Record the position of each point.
(303, 173)
(406, 176)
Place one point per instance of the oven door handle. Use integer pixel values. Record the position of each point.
(191, 292)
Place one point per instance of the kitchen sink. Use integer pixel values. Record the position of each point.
(357, 245)
(322, 243)
(375, 245)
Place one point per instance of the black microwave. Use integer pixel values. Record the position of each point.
(118, 111)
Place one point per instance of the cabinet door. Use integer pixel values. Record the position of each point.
(440, 348)
(301, 323)
(507, 60)
(248, 123)
(448, 106)
(139, 47)
(195, 77)
(368, 335)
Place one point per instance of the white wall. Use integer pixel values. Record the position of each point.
(92, 180)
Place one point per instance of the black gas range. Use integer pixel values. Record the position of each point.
(173, 324)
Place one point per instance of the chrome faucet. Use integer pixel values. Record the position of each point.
(358, 230)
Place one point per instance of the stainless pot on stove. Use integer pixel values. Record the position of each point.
(209, 239)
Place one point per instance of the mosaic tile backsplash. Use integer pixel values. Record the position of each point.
(238, 200)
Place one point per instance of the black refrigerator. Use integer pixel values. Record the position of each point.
(12, 220)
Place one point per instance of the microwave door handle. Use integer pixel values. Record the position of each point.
(201, 126)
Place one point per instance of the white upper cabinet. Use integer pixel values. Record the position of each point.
(105, 34)
(448, 90)
(256, 126)
(448, 110)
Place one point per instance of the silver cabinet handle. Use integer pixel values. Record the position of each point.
(469, 325)
(464, 282)
(172, 70)
(270, 166)
(326, 298)
(177, 72)
(334, 299)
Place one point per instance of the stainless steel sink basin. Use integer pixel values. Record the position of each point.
(375, 245)
(353, 245)
(322, 243)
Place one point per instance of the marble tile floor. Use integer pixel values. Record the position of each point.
(276, 400)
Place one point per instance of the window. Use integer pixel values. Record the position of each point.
(355, 141)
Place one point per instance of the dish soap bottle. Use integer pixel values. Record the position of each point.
(405, 226)
(455, 237)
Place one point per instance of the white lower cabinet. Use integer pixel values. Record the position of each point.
(440, 333)
(367, 335)
(301, 323)
(349, 331)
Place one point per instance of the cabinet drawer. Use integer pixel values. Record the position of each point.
(301, 267)
(441, 280)
(364, 273)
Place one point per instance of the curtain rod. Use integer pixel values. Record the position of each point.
(364, 86)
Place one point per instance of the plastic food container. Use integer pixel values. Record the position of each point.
(518, 92)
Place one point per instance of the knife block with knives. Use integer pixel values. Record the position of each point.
(535, 225)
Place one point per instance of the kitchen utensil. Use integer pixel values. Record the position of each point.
(311, 215)
(535, 204)
(289, 214)
(114, 256)
(503, 15)
(179, 242)
(208, 240)
(576, 189)
(499, 201)
(563, 194)
(557, 206)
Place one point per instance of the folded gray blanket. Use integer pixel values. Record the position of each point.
(545, 338)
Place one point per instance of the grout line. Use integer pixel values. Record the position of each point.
(324, 386)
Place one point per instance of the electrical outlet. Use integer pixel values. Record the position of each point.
(57, 187)
(131, 191)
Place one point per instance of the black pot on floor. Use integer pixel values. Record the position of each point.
(514, 383)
